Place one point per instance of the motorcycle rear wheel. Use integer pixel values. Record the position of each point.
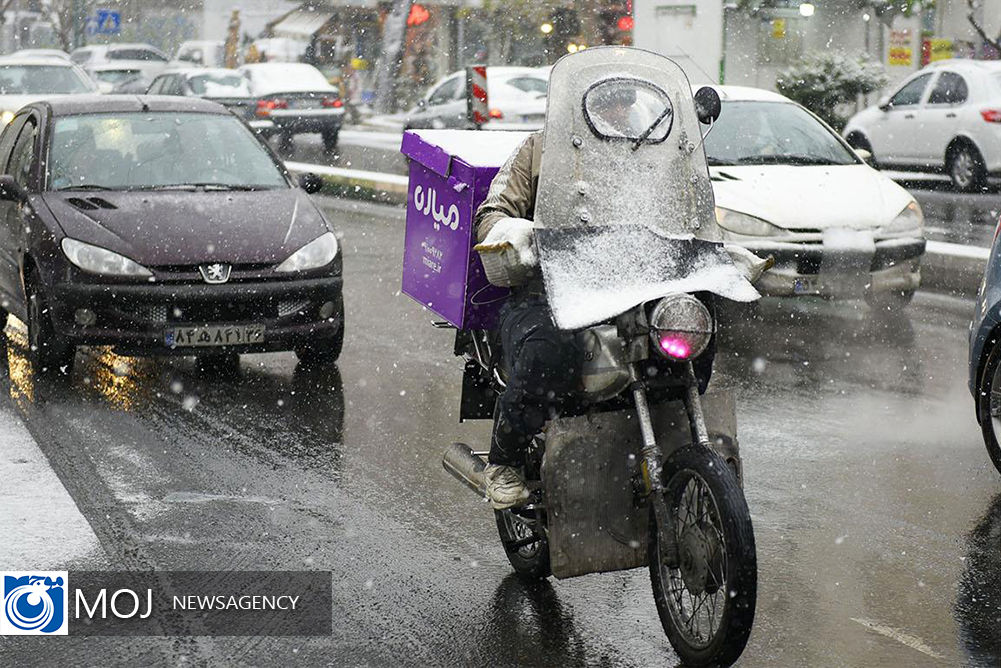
(706, 601)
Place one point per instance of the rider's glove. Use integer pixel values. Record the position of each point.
(508, 251)
(749, 264)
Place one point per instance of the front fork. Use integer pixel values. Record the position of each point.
(653, 456)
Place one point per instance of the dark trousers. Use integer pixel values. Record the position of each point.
(543, 370)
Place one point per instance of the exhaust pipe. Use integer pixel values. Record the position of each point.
(466, 467)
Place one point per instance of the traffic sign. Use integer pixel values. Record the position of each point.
(107, 22)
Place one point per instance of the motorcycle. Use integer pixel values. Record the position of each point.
(642, 468)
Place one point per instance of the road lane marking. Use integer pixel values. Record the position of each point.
(901, 637)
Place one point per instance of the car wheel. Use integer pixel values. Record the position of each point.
(48, 353)
(890, 301)
(322, 351)
(330, 141)
(989, 403)
(966, 168)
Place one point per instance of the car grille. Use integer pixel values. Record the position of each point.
(209, 312)
(288, 307)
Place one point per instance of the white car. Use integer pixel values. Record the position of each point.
(27, 80)
(116, 78)
(143, 57)
(787, 186)
(945, 117)
(292, 99)
(516, 98)
(204, 53)
(41, 53)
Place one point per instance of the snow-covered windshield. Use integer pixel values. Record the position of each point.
(758, 133)
(219, 85)
(623, 108)
(41, 79)
(155, 150)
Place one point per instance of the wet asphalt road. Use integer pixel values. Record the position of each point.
(876, 511)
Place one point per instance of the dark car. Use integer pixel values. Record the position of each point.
(296, 99)
(985, 354)
(160, 225)
(227, 87)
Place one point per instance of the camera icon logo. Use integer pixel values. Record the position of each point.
(34, 603)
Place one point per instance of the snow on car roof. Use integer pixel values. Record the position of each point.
(475, 148)
(285, 78)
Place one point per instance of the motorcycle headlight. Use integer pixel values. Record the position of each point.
(317, 253)
(911, 219)
(680, 327)
(742, 223)
(99, 260)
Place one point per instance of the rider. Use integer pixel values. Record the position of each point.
(542, 361)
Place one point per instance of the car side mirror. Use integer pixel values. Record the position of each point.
(707, 105)
(309, 182)
(864, 154)
(11, 190)
(884, 103)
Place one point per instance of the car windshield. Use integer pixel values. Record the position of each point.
(219, 85)
(41, 79)
(758, 133)
(158, 150)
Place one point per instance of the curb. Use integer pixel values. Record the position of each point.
(953, 268)
(357, 183)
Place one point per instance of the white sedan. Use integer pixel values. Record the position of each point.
(786, 185)
(27, 80)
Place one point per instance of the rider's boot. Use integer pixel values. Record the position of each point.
(505, 486)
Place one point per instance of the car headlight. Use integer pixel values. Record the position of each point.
(911, 219)
(6, 117)
(742, 223)
(99, 260)
(680, 327)
(317, 253)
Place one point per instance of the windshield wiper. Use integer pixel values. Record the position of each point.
(85, 186)
(785, 160)
(204, 186)
(653, 126)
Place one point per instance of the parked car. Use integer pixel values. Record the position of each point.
(25, 80)
(41, 53)
(985, 354)
(788, 186)
(227, 87)
(296, 98)
(160, 225)
(945, 117)
(118, 79)
(516, 99)
(204, 53)
(148, 59)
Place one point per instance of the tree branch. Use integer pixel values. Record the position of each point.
(996, 42)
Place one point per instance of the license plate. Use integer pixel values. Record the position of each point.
(806, 286)
(304, 103)
(213, 335)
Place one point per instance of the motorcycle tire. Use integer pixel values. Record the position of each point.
(530, 562)
(715, 579)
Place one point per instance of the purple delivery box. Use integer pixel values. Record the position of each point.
(450, 174)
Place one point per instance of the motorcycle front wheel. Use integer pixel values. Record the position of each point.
(706, 600)
(527, 551)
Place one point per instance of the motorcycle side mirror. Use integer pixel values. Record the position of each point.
(309, 182)
(707, 105)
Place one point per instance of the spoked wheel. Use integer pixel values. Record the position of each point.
(706, 599)
(527, 550)
(966, 169)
